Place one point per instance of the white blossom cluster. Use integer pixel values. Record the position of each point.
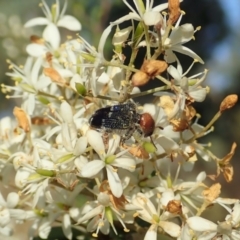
(67, 173)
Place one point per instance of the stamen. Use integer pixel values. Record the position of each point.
(46, 10)
(177, 173)
(63, 9)
(13, 96)
(190, 67)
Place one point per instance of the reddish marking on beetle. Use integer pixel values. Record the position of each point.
(147, 124)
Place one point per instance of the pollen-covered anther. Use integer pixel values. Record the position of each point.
(36, 39)
(95, 235)
(174, 11)
(22, 118)
(167, 103)
(228, 102)
(179, 125)
(174, 206)
(54, 76)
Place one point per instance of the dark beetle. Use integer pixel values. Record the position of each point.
(123, 119)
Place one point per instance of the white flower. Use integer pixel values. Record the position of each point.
(149, 15)
(204, 229)
(189, 86)
(9, 212)
(54, 19)
(107, 160)
(30, 82)
(179, 35)
(103, 210)
(63, 199)
(150, 214)
(67, 130)
(228, 229)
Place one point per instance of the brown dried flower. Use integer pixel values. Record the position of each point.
(174, 11)
(22, 118)
(153, 67)
(36, 39)
(174, 206)
(228, 102)
(212, 193)
(54, 75)
(149, 69)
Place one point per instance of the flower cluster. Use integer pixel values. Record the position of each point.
(85, 155)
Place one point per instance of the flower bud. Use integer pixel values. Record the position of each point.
(139, 79)
(149, 69)
(154, 67)
(46, 172)
(149, 147)
(228, 102)
(121, 36)
(81, 89)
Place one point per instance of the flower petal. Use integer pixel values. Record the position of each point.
(114, 182)
(198, 94)
(151, 233)
(80, 146)
(4, 217)
(187, 51)
(200, 224)
(95, 140)
(113, 144)
(66, 112)
(161, 7)
(174, 72)
(12, 200)
(36, 50)
(66, 226)
(182, 34)
(152, 18)
(90, 214)
(36, 21)
(170, 228)
(51, 34)
(92, 168)
(69, 22)
(126, 163)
